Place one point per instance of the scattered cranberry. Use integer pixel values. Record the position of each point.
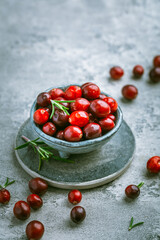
(112, 103)
(4, 196)
(74, 196)
(38, 186)
(92, 130)
(21, 210)
(129, 92)
(99, 108)
(78, 214)
(133, 191)
(79, 118)
(155, 74)
(138, 71)
(60, 118)
(106, 124)
(80, 104)
(62, 99)
(72, 93)
(156, 61)
(55, 93)
(116, 72)
(41, 116)
(49, 128)
(43, 99)
(60, 135)
(34, 201)
(153, 164)
(34, 230)
(111, 116)
(73, 134)
(91, 91)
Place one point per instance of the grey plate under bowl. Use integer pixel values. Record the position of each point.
(89, 170)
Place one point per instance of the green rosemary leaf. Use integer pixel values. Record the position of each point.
(22, 146)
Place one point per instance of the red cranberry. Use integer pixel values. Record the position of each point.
(80, 104)
(112, 103)
(74, 196)
(43, 99)
(78, 214)
(62, 99)
(156, 61)
(38, 186)
(72, 93)
(49, 128)
(132, 191)
(92, 130)
(79, 118)
(116, 72)
(111, 116)
(60, 118)
(102, 97)
(34, 230)
(99, 108)
(60, 135)
(41, 116)
(73, 134)
(106, 124)
(129, 92)
(4, 196)
(85, 84)
(153, 164)
(138, 71)
(155, 74)
(21, 210)
(91, 91)
(55, 93)
(34, 201)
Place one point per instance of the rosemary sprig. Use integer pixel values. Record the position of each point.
(7, 183)
(140, 185)
(61, 107)
(135, 225)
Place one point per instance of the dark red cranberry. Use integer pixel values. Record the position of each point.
(78, 214)
(153, 164)
(116, 72)
(40, 116)
(99, 108)
(112, 103)
(21, 210)
(73, 134)
(35, 201)
(155, 74)
(49, 128)
(34, 230)
(55, 93)
(106, 124)
(60, 135)
(38, 186)
(129, 92)
(79, 118)
(111, 116)
(91, 91)
(62, 99)
(60, 118)
(74, 196)
(132, 191)
(156, 61)
(92, 130)
(73, 92)
(43, 99)
(138, 71)
(85, 84)
(4, 196)
(80, 104)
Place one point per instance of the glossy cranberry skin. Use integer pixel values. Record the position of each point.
(34, 230)
(106, 124)
(60, 118)
(79, 118)
(35, 201)
(49, 128)
(156, 61)
(74, 196)
(4, 196)
(153, 164)
(62, 99)
(111, 116)
(55, 93)
(43, 99)
(92, 130)
(138, 71)
(112, 103)
(38, 186)
(73, 134)
(99, 108)
(80, 104)
(155, 74)
(40, 116)
(91, 91)
(116, 72)
(60, 135)
(129, 92)
(22, 210)
(78, 214)
(85, 84)
(132, 191)
(72, 93)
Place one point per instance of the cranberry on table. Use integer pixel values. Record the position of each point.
(21, 210)
(133, 191)
(74, 196)
(106, 124)
(49, 128)
(129, 92)
(156, 61)
(43, 99)
(78, 214)
(41, 116)
(112, 103)
(79, 118)
(72, 92)
(73, 134)
(92, 130)
(155, 74)
(35, 201)
(62, 99)
(138, 71)
(60, 118)
(99, 108)
(56, 92)
(38, 186)
(111, 116)
(80, 104)
(60, 135)
(116, 72)
(34, 230)
(91, 91)
(4, 196)
(153, 164)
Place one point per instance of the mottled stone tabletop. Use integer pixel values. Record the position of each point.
(47, 43)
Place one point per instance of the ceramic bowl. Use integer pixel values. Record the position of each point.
(66, 148)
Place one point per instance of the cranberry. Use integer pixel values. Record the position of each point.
(49, 128)
(4, 196)
(62, 99)
(78, 214)
(60, 118)
(80, 104)
(156, 61)
(38, 186)
(153, 164)
(91, 91)
(129, 92)
(73, 134)
(106, 124)
(112, 103)
(47, 109)
(43, 99)
(60, 135)
(111, 116)
(34, 230)
(41, 116)
(102, 97)
(92, 130)
(74, 196)
(132, 191)
(138, 71)
(99, 108)
(85, 84)
(34, 201)
(72, 93)
(116, 72)
(79, 118)
(21, 210)
(55, 93)
(155, 74)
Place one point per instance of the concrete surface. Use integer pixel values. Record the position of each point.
(44, 43)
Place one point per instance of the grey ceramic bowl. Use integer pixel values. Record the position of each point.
(66, 148)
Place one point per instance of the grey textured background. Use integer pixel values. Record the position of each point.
(44, 43)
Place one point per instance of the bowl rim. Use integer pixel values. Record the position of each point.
(84, 143)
